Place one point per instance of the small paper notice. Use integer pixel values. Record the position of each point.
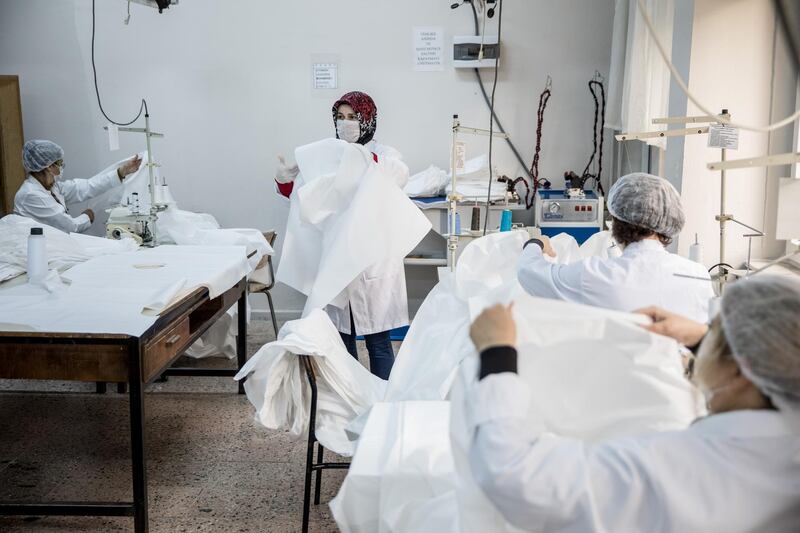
(325, 75)
(113, 137)
(428, 47)
(461, 156)
(723, 136)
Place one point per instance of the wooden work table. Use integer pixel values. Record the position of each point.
(130, 361)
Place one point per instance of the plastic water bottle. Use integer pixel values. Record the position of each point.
(37, 256)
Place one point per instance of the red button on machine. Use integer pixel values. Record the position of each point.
(589, 207)
(577, 208)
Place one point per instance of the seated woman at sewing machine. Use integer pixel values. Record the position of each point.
(44, 195)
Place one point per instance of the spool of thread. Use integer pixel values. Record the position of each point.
(505, 220)
(696, 251)
(458, 223)
(475, 225)
(37, 256)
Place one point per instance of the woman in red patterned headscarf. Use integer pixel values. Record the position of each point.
(377, 300)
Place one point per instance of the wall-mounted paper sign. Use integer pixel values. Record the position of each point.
(723, 136)
(324, 75)
(428, 48)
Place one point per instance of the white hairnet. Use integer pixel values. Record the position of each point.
(647, 201)
(38, 155)
(761, 319)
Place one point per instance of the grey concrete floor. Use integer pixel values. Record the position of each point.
(210, 467)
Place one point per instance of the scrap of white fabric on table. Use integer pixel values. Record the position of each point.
(473, 181)
(346, 214)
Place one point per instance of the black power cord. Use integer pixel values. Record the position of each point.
(596, 133)
(489, 104)
(491, 112)
(142, 106)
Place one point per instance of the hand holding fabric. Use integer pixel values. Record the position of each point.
(129, 167)
(495, 326)
(686, 331)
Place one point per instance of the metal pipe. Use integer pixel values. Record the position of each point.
(452, 241)
(722, 221)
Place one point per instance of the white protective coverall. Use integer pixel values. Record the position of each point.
(50, 207)
(644, 275)
(735, 471)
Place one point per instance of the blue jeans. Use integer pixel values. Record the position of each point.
(379, 346)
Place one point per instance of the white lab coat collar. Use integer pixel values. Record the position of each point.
(645, 245)
(38, 184)
(748, 423)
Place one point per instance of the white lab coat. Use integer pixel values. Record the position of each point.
(377, 297)
(732, 472)
(642, 276)
(34, 201)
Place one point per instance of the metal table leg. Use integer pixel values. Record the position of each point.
(241, 337)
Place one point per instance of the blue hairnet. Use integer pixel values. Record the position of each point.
(647, 201)
(38, 155)
(761, 319)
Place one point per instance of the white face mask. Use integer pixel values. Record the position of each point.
(348, 130)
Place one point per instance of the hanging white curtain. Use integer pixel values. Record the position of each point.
(639, 78)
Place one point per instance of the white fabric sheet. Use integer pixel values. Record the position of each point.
(403, 461)
(278, 388)
(347, 214)
(429, 182)
(216, 267)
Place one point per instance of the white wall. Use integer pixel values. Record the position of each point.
(733, 51)
(229, 85)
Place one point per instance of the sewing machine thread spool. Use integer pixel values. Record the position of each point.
(505, 220)
(475, 224)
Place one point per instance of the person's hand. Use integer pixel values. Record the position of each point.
(548, 248)
(129, 167)
(90, 214)
(495, 326)
(285, 173)
(682, 329)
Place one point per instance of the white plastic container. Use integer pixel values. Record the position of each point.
(37, 256)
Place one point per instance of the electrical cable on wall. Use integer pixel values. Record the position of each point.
(491, 112)
(682, 84)
(530, 193)
(597, 131)
(142, 106)
(488, 102)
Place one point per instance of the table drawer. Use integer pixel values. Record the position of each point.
(160, 351)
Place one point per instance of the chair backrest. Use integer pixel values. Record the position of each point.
(271, 236)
